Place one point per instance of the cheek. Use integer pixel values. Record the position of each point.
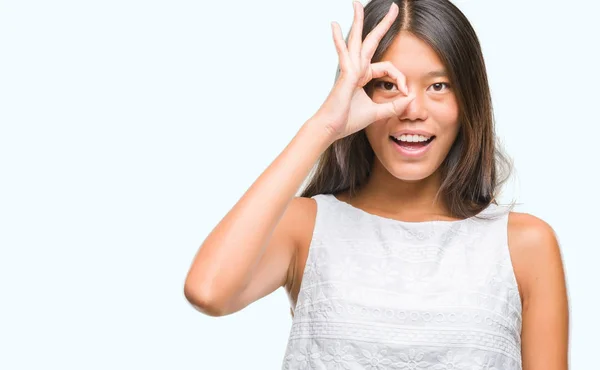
(446, 115)
(375, 130)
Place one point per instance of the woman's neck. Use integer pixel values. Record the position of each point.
(388, 196)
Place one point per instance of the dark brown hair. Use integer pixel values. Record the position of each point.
(475, 168)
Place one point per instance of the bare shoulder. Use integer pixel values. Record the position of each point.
(534, 249)
(300, 216)
(539, 269)
(300, 222)
(532, 232)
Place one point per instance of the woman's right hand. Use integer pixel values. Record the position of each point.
(348, 108)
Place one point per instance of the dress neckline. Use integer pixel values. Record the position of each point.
(408, 223)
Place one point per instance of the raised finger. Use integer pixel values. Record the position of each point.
(340, 45)
(374, 37)
(355, 37)
(383, 69)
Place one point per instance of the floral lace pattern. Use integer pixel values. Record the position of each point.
(378, 293)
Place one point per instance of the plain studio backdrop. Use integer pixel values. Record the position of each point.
(129, 128)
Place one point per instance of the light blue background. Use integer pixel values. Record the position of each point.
(129, 128)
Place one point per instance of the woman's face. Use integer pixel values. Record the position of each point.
(434, 111)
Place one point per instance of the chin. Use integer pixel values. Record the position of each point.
(411, 172)
(411, 177)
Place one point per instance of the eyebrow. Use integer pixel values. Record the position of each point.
(439, 73)
(436, 73)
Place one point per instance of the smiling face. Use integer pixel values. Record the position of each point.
(434, 111)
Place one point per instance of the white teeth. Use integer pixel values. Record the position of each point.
(412, 138)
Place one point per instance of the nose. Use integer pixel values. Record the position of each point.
(416, 110)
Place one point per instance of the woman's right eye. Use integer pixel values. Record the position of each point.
(386, 85)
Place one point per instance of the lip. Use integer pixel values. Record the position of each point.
(412, 132)
(411, 153)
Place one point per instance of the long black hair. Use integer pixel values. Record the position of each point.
(475, 168)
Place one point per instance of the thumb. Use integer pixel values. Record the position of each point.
(393, 108)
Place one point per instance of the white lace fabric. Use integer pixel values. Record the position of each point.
(379, 293)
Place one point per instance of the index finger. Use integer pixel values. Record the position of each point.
(374, 37)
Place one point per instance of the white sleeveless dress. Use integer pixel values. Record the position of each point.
(379, 293)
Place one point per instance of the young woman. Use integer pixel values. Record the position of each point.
(396, 255)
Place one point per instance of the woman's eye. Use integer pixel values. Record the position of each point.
(386, 85)
(438, 86)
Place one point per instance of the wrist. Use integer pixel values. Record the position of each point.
(319, 132)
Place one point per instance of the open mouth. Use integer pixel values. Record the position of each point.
(412, 145)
